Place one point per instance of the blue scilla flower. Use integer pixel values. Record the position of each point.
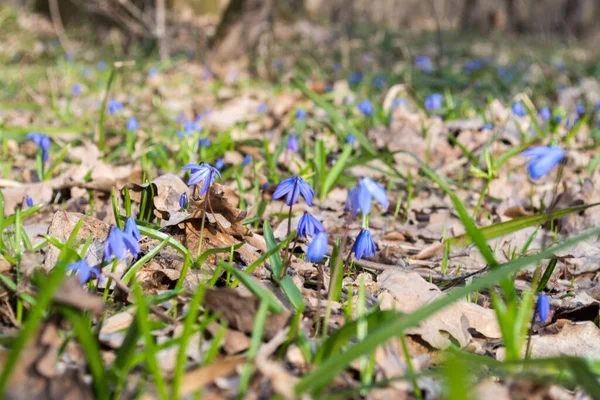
(132, 230)
(518, 109)
(183, 200)
(219, 164)
(364, 245)
(542, 160)
(355, 78)
(43, 141)
(114, 106)
(543, 307)
(308, 226)
(132, 124)
(189, 127)
(203, 174)
(246, 160)
(84, 271)
(545, 113)
(367, 190)
(488, 126)
(292, 188)
(29, 201)
(292, 143)
(317, 248)
(379, 81)
(118, 242)
(424, 63)
(366, 107)
(580, 109)
(261, 108)
(76, 89)
(558, 119)
(350, 139)
(300, 113)
(433, 102)
(101, 66)
(204, 142)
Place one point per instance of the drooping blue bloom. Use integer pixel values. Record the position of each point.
(424, 63)
(84, 271)
(379, 81)
(43, 141)
(292, 143)
(542, 160)
(308, 226)
(558, 119)
(317, 248)
(364, 246)
(189, 127)
(433, 102)
(219, 164)
(183, 200)
(132, 230)
(366, 107)
(203, 174)
(101, 66)
(29, 201)
(76, 89)
(292, 188)
(204, 142)
(350, 139)
(261, 108)
(367, 190)
(114, 247)
(518, 109)
(545, 113)
(543, 307)
(114, 106)
(488, 126)
(300, 113)
(132, 124)
(580, 109)
(355, 78)
(246, 160)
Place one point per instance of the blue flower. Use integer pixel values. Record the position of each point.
(352, 201)
(543, 307)
(355, 78)
(300, 113)
(29, 201)
(292, 143)
(558, 119)
(115, 106)
(292, 188)
(101, 66)
(379, 81)
(132, 230)
(189, 127)
(542, 160)
(204, 142)
(488, 126)
(84, 271)
(518, 109)
(262, 107)
(115, 245)
(317, 248)
(308, 226)
(132, 124)
(76, 89)
(433, 101)
(219, 164)
(545, 113)
(246, 160)
(580, 109)
(204, 174)
(350, 139)
(367, 190)
(364, 245)
(424, 63)
(41, 140)
(183, 200)
(366, 107)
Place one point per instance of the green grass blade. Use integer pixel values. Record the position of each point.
(292, 293)
(139, 263)
(274, 257)
(336, 171)
(100, 127)
(207, 253)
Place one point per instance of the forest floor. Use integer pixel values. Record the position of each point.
(457, 268)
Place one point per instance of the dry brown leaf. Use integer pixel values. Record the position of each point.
(574, 339)
(196, 379)
(73, 295)
(407, 291)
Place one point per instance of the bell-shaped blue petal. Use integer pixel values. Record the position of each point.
(131, 229)
(366, 107)
(308, 226)
(545, 113)
(433, 102)
(364, 245)
(519, 109)
(317, 248)
(292, 188)
(114, 247)
(292, 143)
(543, 307)
(183, 200)
(132, 124)
(542, 160)
(204, 174)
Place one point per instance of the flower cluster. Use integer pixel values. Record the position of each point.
(43, 141)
